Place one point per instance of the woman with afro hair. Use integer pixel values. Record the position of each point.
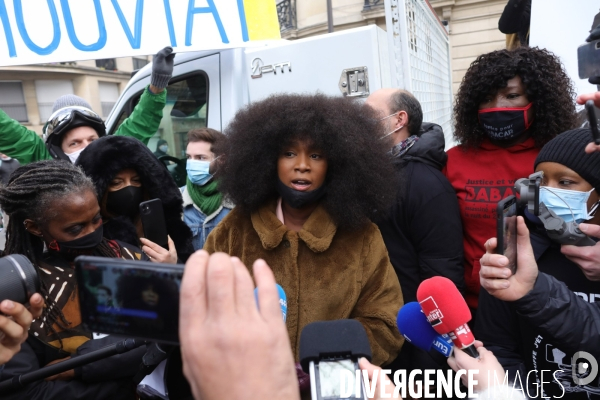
(307, 173)
(509, 104)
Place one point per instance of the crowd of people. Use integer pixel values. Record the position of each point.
(352, 205)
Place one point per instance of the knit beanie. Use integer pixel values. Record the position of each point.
(568, 149)
(69, 100)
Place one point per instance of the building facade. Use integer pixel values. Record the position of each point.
(27, 93)
(472, 24)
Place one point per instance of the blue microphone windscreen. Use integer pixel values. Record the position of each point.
(415, 328)
(282, 300)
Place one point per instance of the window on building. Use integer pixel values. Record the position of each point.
(12, 100)
(138, 63)
(109, 94)
(109, 64)
(47, 91)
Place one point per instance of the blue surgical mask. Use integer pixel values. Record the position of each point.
(164, 148)
(567, 204)
(198, 172)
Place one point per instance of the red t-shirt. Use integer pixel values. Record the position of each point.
(481, 178)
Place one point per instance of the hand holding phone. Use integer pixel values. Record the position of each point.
(158, 253)
(154, 223)
(506, 234)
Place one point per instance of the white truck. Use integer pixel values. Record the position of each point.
(209, 87)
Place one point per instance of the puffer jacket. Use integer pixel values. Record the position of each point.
(26, 146)
(109, 155)
(423, 230)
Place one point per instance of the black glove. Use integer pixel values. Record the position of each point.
(162, 68)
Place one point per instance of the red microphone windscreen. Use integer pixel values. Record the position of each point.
(442, 303)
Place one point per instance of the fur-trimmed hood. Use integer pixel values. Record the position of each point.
(109, 155)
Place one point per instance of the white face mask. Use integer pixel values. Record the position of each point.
(74, 155)
(395, 130)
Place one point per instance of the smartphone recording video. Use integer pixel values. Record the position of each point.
(507, 231)
(129, 298)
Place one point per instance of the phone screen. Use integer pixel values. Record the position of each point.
(509, 242)
(130, 299)
(329, 375)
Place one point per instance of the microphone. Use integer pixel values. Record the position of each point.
(327, 350)
(282, 300)
(447, 312)
(415, 328)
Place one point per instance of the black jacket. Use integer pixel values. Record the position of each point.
(550, 303)
(109, 155)
(541, 341)
(423, 230)
(6, 168)
(110, 378)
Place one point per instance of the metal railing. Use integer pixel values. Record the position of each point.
(370, 4)
(286, 12)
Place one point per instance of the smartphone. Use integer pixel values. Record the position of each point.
(588, 57)
(154, 223)
(590, 109)
(130, 298)
(328, 376)
(507, 230)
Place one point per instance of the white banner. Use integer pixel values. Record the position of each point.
(45, 31)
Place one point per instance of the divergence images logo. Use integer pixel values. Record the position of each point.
(583, 373)
(431, 311)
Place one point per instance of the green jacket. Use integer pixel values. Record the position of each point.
(26, 146)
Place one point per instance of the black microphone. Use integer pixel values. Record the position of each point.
(20, 381)
(327, 348)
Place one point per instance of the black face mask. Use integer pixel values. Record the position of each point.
(296, 198)
(79, 245)
(503, 124)
(125, 201)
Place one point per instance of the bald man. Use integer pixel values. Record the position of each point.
(423, 230)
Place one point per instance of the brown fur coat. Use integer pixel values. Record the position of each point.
(326, 274)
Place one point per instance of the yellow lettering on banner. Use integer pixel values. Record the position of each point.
(261, 19)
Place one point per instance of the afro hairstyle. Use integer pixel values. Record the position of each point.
(358, 173)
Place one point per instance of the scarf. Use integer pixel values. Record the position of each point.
(206, 197)
(401, 148)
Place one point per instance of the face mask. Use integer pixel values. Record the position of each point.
(296, 198)
(504, 123)
(567, 203)
(395, 130)
(164, 148)
(198, 172)
(74, 155)
(87, 242)
(125, 201)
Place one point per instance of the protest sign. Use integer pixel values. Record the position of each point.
(45, 31)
